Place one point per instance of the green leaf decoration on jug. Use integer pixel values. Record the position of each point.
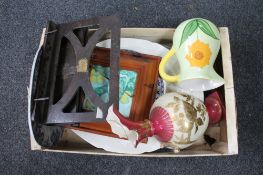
(194, 24)
(205, 27)
(189, 30)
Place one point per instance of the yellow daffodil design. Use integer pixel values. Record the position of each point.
(199, 54)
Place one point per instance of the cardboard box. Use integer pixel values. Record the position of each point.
(225, 132)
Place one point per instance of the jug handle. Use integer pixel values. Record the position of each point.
(163, 74)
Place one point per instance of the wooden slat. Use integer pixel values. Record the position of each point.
(231, 114)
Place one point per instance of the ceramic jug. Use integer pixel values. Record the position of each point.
(196, 43)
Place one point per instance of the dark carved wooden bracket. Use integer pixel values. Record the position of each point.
(54, 110)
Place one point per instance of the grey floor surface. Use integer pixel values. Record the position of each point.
(21, 23)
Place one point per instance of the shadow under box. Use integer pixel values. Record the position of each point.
(138, 83)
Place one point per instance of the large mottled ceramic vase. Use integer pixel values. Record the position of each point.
(185, 115)
(196, 43)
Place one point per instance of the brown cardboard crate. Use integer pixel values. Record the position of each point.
(225, 132)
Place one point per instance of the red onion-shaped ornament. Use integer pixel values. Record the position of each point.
(215, 107)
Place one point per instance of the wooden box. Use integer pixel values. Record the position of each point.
(225, 133)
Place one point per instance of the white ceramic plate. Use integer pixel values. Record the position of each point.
(118, 145)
